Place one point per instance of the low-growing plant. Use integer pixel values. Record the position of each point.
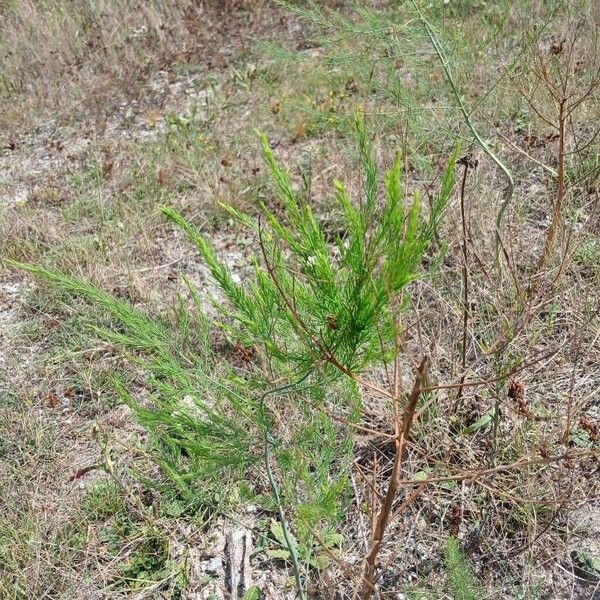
(308, 327)
(304, 352)
(102, 500)
(461, 581)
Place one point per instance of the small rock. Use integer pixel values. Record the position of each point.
(215, 565)
(421, 550)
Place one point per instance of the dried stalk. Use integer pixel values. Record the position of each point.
(383, 517)
(467, 163)
(560, 188)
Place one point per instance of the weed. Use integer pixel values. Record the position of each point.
(461, 582)
(244, 401)
(148, 563)
(316, 314)
(102, 500)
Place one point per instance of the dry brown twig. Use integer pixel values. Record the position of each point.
(403, 426)
(468, 162)
(557, 74)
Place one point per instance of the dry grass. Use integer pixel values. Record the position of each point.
(96, 105)
(76, 60)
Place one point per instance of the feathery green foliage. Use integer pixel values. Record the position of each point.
(315, 313)
(461, 581)
(198, 419)
(310, 298)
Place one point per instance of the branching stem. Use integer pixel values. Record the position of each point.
(467, 163)
(385, 512)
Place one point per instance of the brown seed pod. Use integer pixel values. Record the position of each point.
(331, 322)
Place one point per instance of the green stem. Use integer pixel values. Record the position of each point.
(268, 442)
(435, 42)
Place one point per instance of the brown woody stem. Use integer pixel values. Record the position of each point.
(385, 512)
